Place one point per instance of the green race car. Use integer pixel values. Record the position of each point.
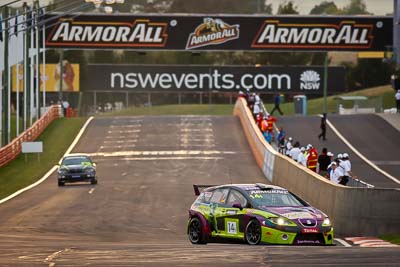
(76, 168)
(256, 213)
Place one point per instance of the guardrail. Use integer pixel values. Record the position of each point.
(354, 211)
(13, 149)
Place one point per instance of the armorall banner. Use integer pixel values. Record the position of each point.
(192, 78)
(222, 32)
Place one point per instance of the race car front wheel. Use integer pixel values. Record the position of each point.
(195, 231)
(252, 233)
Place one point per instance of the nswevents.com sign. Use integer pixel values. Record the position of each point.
(205, 78)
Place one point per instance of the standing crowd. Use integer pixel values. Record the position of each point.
(337, 169)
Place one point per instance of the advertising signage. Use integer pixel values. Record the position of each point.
(224, 32)
(194, 78)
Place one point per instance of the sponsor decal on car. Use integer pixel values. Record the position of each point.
(309, 231)
(297, 215)
(212, 32)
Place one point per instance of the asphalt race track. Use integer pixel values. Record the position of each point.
(136, 215)
(378, 142)
(374, 137)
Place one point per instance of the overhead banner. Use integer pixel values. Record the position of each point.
(140, 78)
(227, 32)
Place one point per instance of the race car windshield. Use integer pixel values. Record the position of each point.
(75, 161)
(274, 198)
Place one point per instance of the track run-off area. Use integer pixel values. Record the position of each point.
(137, 214)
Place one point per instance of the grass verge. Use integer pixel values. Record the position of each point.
(205, 109)
(395, 239)
(56, 139)
(315, 106)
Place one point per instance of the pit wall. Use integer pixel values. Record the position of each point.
(353, 211)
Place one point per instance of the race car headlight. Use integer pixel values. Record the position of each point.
(62, 171)
(281, 221)
(326, 222)
(89, 171)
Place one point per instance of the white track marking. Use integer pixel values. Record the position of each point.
(198, 145)
(53, 169)
(117, 147)
(91, 190)
(123, 131)
(121, 136)
(54, 255)
(187, 140)
(157, 153)
(196, 130)
(196, 135)
(171, 158)
(125, 126)
(344, 243)
(120, 141)
(361, 155)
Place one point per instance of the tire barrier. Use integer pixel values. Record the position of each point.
(13, 149)
(354, 211)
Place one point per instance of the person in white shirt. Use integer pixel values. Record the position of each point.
(289, 146)
(295, 151)
(336, 174)
(256, 109)
(301, 158)
(397, 96)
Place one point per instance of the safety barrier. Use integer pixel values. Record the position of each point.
(354, 211)
(13, 149)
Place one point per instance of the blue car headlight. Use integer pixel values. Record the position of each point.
(62, 171)
(90, 171)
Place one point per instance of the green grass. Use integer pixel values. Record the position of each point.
(395, 239)
(56, 139)
(175, 110)
(315, 106)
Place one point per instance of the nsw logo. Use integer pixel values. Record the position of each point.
(310, 80)
(212, 32)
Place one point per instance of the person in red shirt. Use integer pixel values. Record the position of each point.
(312, 159)
(271, 120)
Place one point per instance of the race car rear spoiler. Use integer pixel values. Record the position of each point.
(197, 187)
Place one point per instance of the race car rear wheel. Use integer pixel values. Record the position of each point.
(195, 231)
(252, 233)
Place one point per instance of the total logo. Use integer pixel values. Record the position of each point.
(310, 80)
(212, 32)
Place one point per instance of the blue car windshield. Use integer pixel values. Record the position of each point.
(274, 198)
(76, 161)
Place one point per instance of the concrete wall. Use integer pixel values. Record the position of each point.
(353, 211)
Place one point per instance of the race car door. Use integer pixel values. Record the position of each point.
(230, 220)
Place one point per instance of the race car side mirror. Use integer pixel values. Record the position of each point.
(237, 205)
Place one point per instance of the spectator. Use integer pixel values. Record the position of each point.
(277, 103)
(259, 119)
(397, 96)
(336, 173)
(281, 140)
(345, 164)
(65, 106)
(264, 125)
(256, 109)
(288, 146)
(268, 136)
(324, 160)
(251, 100)
(301, 158)
(312, 158)
(271, 120)
(323, 127)
(295, 151)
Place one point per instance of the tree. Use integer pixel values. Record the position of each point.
(287, 8)
(356, 7)
(325, 8)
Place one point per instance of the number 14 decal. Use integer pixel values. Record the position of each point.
(232, 228)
